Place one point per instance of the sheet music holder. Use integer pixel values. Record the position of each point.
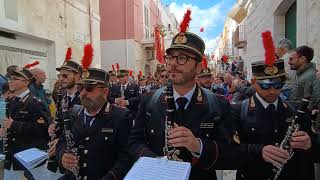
(158, 169)
(31, 158)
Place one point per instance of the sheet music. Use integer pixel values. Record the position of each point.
(158, 169)
(2, 157)
(31, 157)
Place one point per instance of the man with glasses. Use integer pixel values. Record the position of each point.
(27, 120)
(205, 78)
(100, 129)
(70, 74)
(125, 94)
(143, 88)
(262, 121)
(113, 78)
(163, 78)
(198, 117)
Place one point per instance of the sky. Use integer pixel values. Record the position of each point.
(209, 14)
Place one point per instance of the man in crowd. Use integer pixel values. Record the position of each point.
(125, 94)
(284, 47)
(300, 61)
(205, 77)
(101, 130)
(113, 78)
(70, 75)
(36, 87)
(142, 85)
(163, 78)
(27, 122)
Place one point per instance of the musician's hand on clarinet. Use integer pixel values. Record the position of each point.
(119, 101)
(69, 161)
(275, 155)
(52, 128)
(52, 149)
(300, 140)
(7, 122)
(183, 137)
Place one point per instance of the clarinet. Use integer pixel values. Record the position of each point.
(170, 152)
(52, 162)
(293, 127)
(71, 145)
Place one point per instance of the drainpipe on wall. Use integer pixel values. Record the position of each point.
(126, 32)
(90, 20)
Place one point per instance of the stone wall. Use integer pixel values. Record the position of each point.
(269, 15)
(59, 24)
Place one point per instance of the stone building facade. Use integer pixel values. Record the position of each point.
(297, 20)
(44, 29)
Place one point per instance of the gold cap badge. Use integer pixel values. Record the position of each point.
(181, 39)
(271, 70)
(85, 74)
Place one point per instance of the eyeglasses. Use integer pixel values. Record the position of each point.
(65, 76)
(88, 88)
(181, 59)
(266, 86)
(164, 76)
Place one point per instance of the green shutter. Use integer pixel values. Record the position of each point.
(291, 24)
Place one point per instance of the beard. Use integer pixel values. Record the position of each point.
(181, 78)
(93, 104)
(69, 85)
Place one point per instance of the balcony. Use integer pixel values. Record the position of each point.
(240, 37)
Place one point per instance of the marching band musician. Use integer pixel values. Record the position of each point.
(262, 121)
(27, 124)
(199, 131)
(70, 74)
(125, 94)
(100, 131)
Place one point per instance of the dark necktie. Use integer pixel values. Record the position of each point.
(181, 101)
(16, 99)
(88, 120)
(271, 108)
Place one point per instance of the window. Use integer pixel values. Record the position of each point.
(11, 9)
(146, 12)
(150, 54)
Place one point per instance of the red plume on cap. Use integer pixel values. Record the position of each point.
(68, 54)
(113, 68)
(130, 72)
(204, 62)
(118, 67)
(87, 56)
(140, 73)
(28, 66)
(201, 29)
(185, 22)
(225, 58)
(270, 55)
